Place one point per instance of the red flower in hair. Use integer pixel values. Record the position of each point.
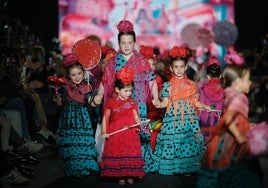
(125, 26)
(70, 59)
(213, 60)
(177, 51)
(147, 51)
(108, 52)
(125, 75)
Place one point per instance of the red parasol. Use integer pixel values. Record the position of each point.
(88, 52)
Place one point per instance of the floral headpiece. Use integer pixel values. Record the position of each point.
(147, 51)
(70, 59)
(232, 57)
(125, 26)
(177, 51)
(125, 75)
(213, 60)
(108, 52)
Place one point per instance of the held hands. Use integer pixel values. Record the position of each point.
(207, 108)
(156, 103)
(98, 99)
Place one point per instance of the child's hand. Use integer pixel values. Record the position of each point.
(208, 108)
(57, 99)
(156, 103)
(104, 135)
(98, 99)
(252, 125)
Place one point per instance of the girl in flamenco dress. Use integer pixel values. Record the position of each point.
(154, 114)
(180, 143)
(122, 154)
(228, 161)
(211, 94)
(145, 87)
(76, 135)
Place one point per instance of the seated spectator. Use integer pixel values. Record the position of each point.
(15, 168)
(35, 90)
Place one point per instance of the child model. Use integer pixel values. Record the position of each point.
(122, 154)
(211, 94)
(226, 162)
(180, 143)
(76, 139)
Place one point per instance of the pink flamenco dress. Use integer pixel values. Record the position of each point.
(122, 153)
(226, 163)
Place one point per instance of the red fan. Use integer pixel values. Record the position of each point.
(88, 52)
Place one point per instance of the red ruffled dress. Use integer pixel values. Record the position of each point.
(122, 154)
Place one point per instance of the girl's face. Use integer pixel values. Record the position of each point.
(125, 92)
(76, 75)
(244, 83)
(178, 68)
(126, 44)
(152, 63)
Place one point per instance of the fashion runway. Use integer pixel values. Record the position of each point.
(49, 174)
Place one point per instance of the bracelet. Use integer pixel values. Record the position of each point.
(95, 102)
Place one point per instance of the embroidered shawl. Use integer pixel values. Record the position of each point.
(142, 71)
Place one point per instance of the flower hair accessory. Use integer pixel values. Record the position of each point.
(147, 51)
(125, 26)
(213, 60)
(108, 52)
(125, 75)
(70, 59)
(177, 51)
(232, 57)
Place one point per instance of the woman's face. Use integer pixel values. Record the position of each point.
(126, 44)
(76, 75)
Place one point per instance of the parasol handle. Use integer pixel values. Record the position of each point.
(128, 127)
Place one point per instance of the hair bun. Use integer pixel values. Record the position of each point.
(213, 60)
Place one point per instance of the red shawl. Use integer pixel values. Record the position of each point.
(78, 92)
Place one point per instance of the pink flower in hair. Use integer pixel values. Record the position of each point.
(232, 57)
(125, 26)
(70, 59)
